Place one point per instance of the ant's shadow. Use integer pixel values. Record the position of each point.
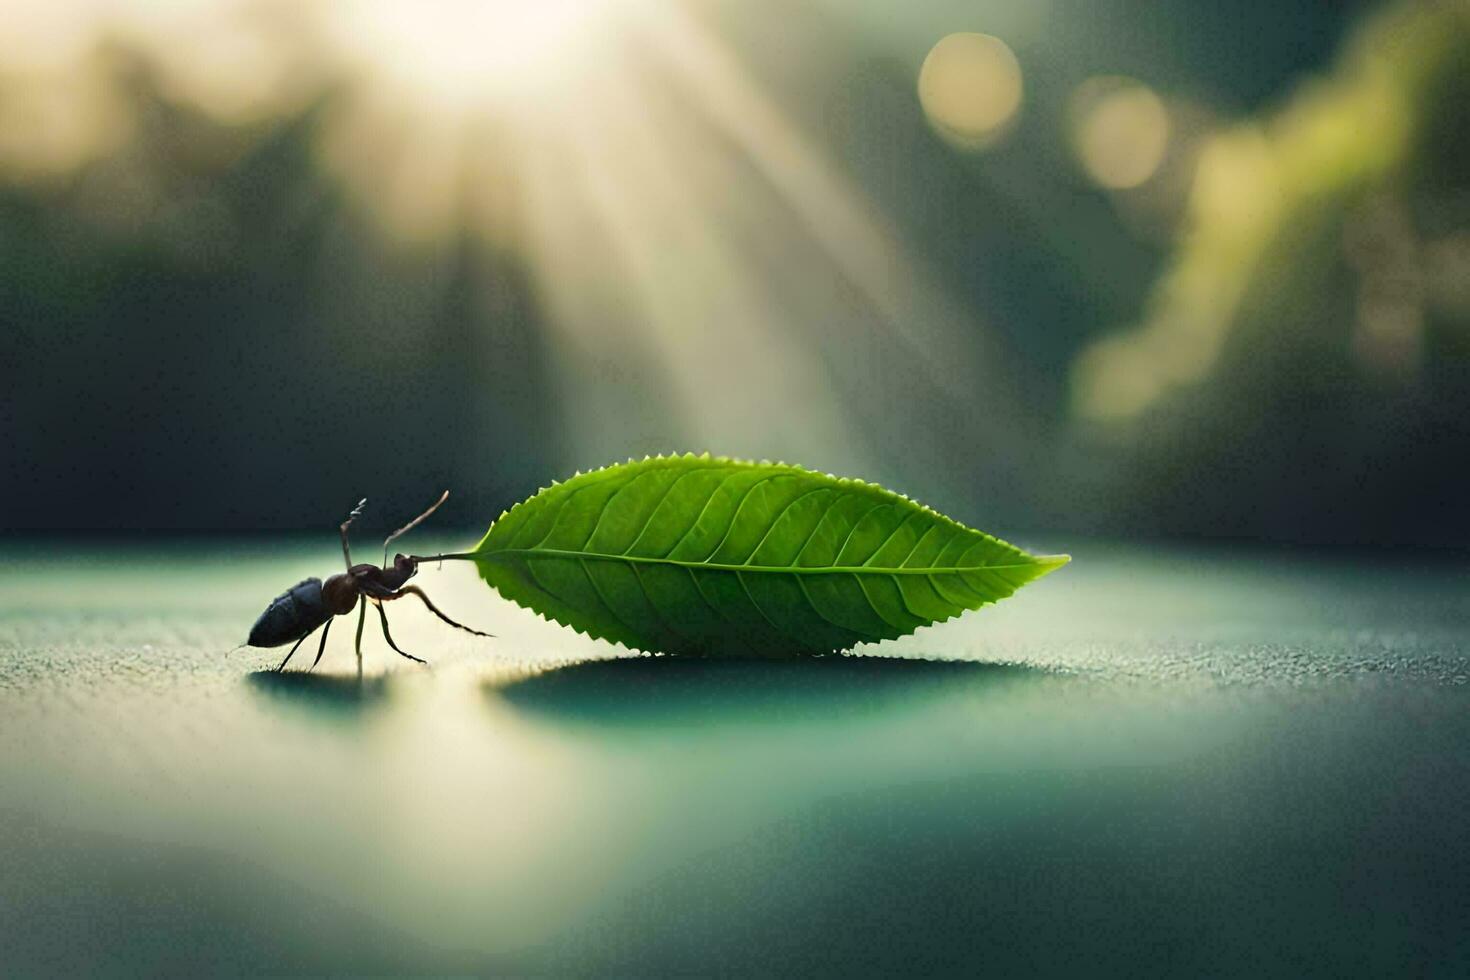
(675, 691)
(326, 694)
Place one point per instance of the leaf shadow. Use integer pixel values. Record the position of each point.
(332, 697)
(672, 691)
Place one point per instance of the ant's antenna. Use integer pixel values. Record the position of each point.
(356, 513)
(411, 525)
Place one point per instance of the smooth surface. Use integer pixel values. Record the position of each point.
(1223, 762)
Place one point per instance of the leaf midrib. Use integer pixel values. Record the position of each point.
(1041, 560)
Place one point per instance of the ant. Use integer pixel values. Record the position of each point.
(297, 613)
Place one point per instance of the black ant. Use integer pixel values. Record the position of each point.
(296, 613)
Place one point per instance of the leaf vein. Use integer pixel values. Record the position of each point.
(764, 615)
(903, 597)
(561, 512)
(947, 596)
(813, 532)
(871, 570)
(661, 501)
(530, 521)
(863, 587)
(612, 611)
(777, 520)
(700, 516)
(862, 634)
(735, 515)
(607, 504)
(932, 529)
(853, 530)
(897, 527)
(707, 601)
(657, 612)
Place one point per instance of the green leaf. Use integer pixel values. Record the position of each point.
(707, 556)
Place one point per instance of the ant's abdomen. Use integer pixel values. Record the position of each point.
(291, 615)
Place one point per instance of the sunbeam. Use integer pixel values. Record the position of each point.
(461, 56)
(707, 274)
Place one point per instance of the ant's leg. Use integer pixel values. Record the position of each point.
(389, 636)
(415, 590)
(322, 647)
(356, 513)
(361, 619)
(293, 649)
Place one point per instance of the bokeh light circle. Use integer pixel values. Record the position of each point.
(1120, 129)
(970, 88)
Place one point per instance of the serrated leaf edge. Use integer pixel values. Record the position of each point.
(1049, 562)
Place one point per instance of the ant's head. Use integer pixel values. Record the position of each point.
(392, 576)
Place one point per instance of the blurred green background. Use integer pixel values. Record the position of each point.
(1125, 267)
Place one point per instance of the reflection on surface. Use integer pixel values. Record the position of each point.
(653, 690)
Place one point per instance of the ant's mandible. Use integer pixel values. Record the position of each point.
(297, 613)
